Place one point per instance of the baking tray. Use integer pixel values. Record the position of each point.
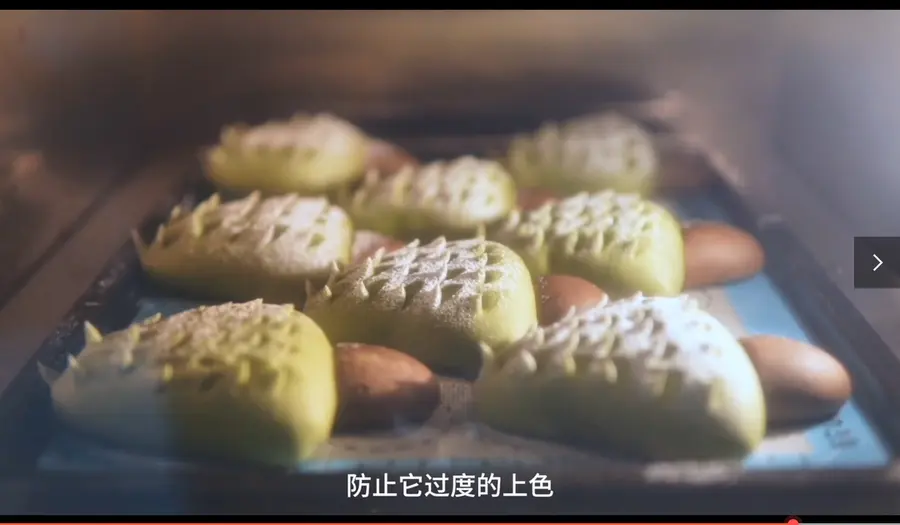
(449, 440)
(853, 452)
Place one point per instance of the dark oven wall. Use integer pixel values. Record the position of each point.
(141, 75)
(811, 89)
(838, 112)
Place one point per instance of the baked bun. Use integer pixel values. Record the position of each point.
(247, 382)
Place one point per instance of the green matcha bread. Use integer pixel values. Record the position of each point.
(620, 242)
(253, 248)
(450, 199)
(308, 155)
(649, 378)
(434, 302)
(247, 382)
(606, 151)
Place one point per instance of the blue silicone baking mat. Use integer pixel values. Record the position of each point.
(450, 440)
(847, 441)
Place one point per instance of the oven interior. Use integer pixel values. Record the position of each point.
(104, 113)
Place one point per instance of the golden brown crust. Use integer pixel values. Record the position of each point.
(366, 243)
(717, 254)
(381, 388)
(681, 167)
(387, 158)
(533, 198)
(558, 294)
(801, 383)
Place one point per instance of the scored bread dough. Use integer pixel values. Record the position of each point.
(250, 248)
(592, 153)
(308, 155)
(449, 199)
(435, 302)
(655, 378)
(620, 242)
(245, 382)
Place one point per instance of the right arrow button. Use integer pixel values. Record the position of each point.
(876, 262)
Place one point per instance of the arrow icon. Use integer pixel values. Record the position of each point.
(877, 266)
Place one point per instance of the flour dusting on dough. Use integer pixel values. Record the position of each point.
(664, 346)
(289, 233)
(320, 132)
(588, 149)
(585, 223)
(458, 279)
(467, 189)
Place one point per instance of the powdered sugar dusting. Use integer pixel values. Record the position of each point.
(667, 347)
(478, 189)
(275, 228)
(227, 344)
(214, 323)
(303, 132)
(365, 241)
(585, 223)
(453, 278)
(607, 145)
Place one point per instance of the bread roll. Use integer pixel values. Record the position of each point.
(381, 388)
(307, 155)
(651, 378)
(558, 294)
(594, 153)
(533, 198)
(387, 158)
(250, 248)
(246, 382)
(716, 254)
(801, 383)
(366, 243)
(435, 302)
(450, 199)
(620, 242)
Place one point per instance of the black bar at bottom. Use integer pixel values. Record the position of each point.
(876, 262)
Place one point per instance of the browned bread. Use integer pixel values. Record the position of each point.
(558, 294)
(382, 388)
(717, 253)
(387, 158)
(366, 243)
(532, 198)
(801, 382)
